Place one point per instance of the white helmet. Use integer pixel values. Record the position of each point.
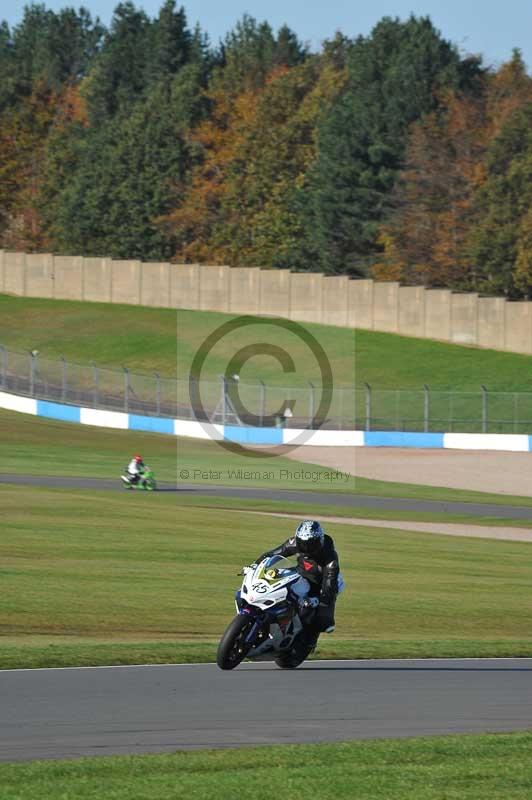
(309, 537)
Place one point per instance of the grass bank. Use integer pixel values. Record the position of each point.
(465, 767)
(151, 339)
(132, 576)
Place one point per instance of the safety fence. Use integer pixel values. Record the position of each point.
(223, 401)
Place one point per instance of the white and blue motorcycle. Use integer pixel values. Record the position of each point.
(272, 607)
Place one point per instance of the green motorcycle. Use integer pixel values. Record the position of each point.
(145, 481)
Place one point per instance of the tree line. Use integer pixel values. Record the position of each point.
(390, 155)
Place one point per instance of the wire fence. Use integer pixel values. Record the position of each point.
(364, 408)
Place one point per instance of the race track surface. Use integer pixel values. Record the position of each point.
(311, 497)
(67, 713)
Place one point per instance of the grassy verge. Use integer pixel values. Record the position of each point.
(143, 573)
(37, 446)
(467, 767)
(152, 339)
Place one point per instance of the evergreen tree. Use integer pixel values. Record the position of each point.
(393, 75)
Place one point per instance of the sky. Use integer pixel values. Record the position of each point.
(484, 27)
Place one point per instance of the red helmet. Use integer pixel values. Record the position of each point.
(138, 458)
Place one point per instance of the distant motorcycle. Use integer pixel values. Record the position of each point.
(145, 481)
(273, 606)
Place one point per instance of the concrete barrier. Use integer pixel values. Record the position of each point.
(461, 318)
(411, 316)
(464, 318)
(265, 436)
(385, 306)
(244, 290)
(518, 327)
(185, 286)
(306, 291)
(275, 292)
(335, 301)
(97, 280)
(68, 277)
(438, 314)
(155, 287)
(214, 288)
(361, 304)
(125, 282)
(39, 275)
(15, 273)
(491, 324)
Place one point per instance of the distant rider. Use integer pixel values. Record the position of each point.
(135, 469)
(318, 563)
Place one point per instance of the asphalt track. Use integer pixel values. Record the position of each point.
(310, 497)
(68, 713)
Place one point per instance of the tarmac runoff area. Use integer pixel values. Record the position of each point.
(69, 713)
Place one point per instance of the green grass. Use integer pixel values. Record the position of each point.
(147, 339)
(490, 766)
(83, 572)
(38, 446)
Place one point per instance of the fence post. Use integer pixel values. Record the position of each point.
(126, 389)
(33, 368)
(312, 403)
(158, 393)
(368, 406)
(426, 409)
(262, 403)
(63, 379)
(224, 399)
(96, 381)
(484, 409)
(3, 372)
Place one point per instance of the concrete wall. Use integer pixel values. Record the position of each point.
(155, 287)
(306, 297)
(438, 314)
(518, 327)
(97, 279)
(335, 301)
(68, 277)
(411, 311)
(275, 292)
(15, 274)
(491, 322)
(360, 313)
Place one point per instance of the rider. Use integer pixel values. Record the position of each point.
(135, 469)
(318, 563)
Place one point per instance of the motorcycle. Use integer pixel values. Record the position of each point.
(146, 481)
(273, 608)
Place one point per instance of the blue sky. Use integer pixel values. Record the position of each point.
(476, 26)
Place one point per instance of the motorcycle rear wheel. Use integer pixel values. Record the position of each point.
(294, 657)
(232, 648)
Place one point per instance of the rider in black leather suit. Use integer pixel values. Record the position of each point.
(318, 563)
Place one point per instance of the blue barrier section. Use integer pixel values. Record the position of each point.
(401, 439)
(235, 433)
(530, 443)
(58, 411)
(156, 424)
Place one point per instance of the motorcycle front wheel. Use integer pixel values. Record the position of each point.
(233, 647)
